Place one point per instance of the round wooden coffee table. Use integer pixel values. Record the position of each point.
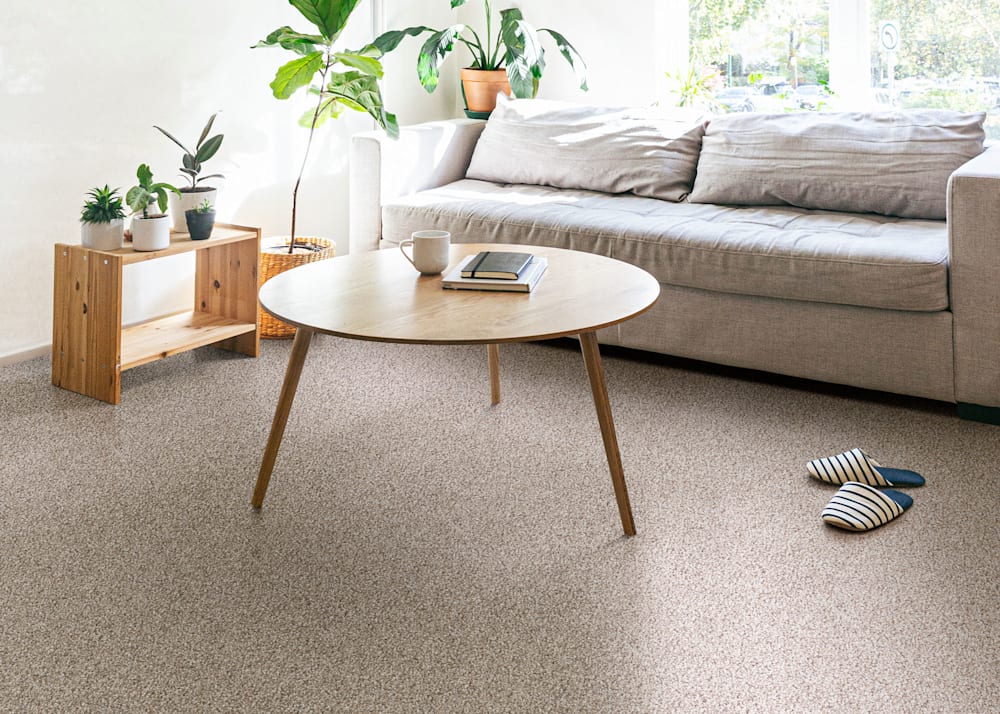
(379, 296)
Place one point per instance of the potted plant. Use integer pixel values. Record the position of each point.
(338, 80)
(193, 195)
(150, 231)
(102, 219)
(512, 61)
(200, 221)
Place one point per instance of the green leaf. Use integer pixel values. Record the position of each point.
(361, 92)
(525, 57)
(203, 178)
(171, 137)
(144, 174)
(161, 199)
(391, 125)
(204, 132)
(367, 65)
(571, 55)
(457, 3)
(388, 41)
(329, 16)
(105, 206)
(330, 109)
(208, 149)
(289, 39)
(137, 198)
(433, 52)
(296, 74)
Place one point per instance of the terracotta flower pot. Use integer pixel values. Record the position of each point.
(482, 86)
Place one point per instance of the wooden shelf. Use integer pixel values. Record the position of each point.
(150, 341)
(89, 347)
(222, 234)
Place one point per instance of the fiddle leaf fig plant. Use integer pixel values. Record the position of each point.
(337, 80)
(140, 197)
(516, 46)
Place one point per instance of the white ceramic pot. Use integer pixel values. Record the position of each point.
(187, 200)
(151, 233)
(103, 236)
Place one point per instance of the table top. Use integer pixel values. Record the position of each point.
(379, 296)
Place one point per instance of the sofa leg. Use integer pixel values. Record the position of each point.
(975, 412)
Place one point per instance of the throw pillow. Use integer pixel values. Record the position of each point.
(609, 149)
(891, 163)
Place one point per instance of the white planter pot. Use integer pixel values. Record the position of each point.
(187, 200)
(103, 236)
(151, 233)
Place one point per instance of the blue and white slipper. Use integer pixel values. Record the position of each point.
(856, 465)
(859, 507)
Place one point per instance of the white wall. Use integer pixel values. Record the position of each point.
(81, 85)
(617, 40)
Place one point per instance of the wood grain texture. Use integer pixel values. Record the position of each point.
(300, 347)
(599, 389)
(493, 357)
(89, 347)
(181, 243)
(156, 339)
(226, 284)
(379, 296)
(86, 322)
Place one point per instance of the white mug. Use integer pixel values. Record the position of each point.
(430, 250)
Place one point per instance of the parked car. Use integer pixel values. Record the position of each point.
(812, 96)
(774, 95)
(736, 99)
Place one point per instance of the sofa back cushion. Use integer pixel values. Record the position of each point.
(890, 163)
(609, 149)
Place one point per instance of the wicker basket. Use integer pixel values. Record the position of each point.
(275, 262)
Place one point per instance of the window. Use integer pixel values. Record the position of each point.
(783, 55)
(943, 53)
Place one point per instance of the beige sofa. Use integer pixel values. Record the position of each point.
(909, 305)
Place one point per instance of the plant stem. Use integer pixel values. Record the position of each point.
(312, 130)
(489, 34)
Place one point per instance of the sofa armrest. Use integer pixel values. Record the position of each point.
(424, 156)
(974, 277)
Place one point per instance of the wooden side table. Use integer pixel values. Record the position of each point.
(90, 349)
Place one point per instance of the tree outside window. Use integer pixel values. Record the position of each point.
(773, 55)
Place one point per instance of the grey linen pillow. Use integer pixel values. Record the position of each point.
(608, 149)
(891, 163)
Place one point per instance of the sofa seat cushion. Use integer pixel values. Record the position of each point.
(782, 252)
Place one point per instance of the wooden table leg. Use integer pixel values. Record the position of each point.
(300, 346)
(493, 351)
(595, 370)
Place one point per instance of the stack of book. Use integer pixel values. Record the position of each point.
(497, 270)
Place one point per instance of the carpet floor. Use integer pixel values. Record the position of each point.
(422, 551)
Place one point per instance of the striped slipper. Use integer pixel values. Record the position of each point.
(856, 465)
(858, 507)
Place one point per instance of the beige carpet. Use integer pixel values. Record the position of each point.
(420, 551)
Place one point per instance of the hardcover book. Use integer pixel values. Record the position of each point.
(524, 283)
(496, 265)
